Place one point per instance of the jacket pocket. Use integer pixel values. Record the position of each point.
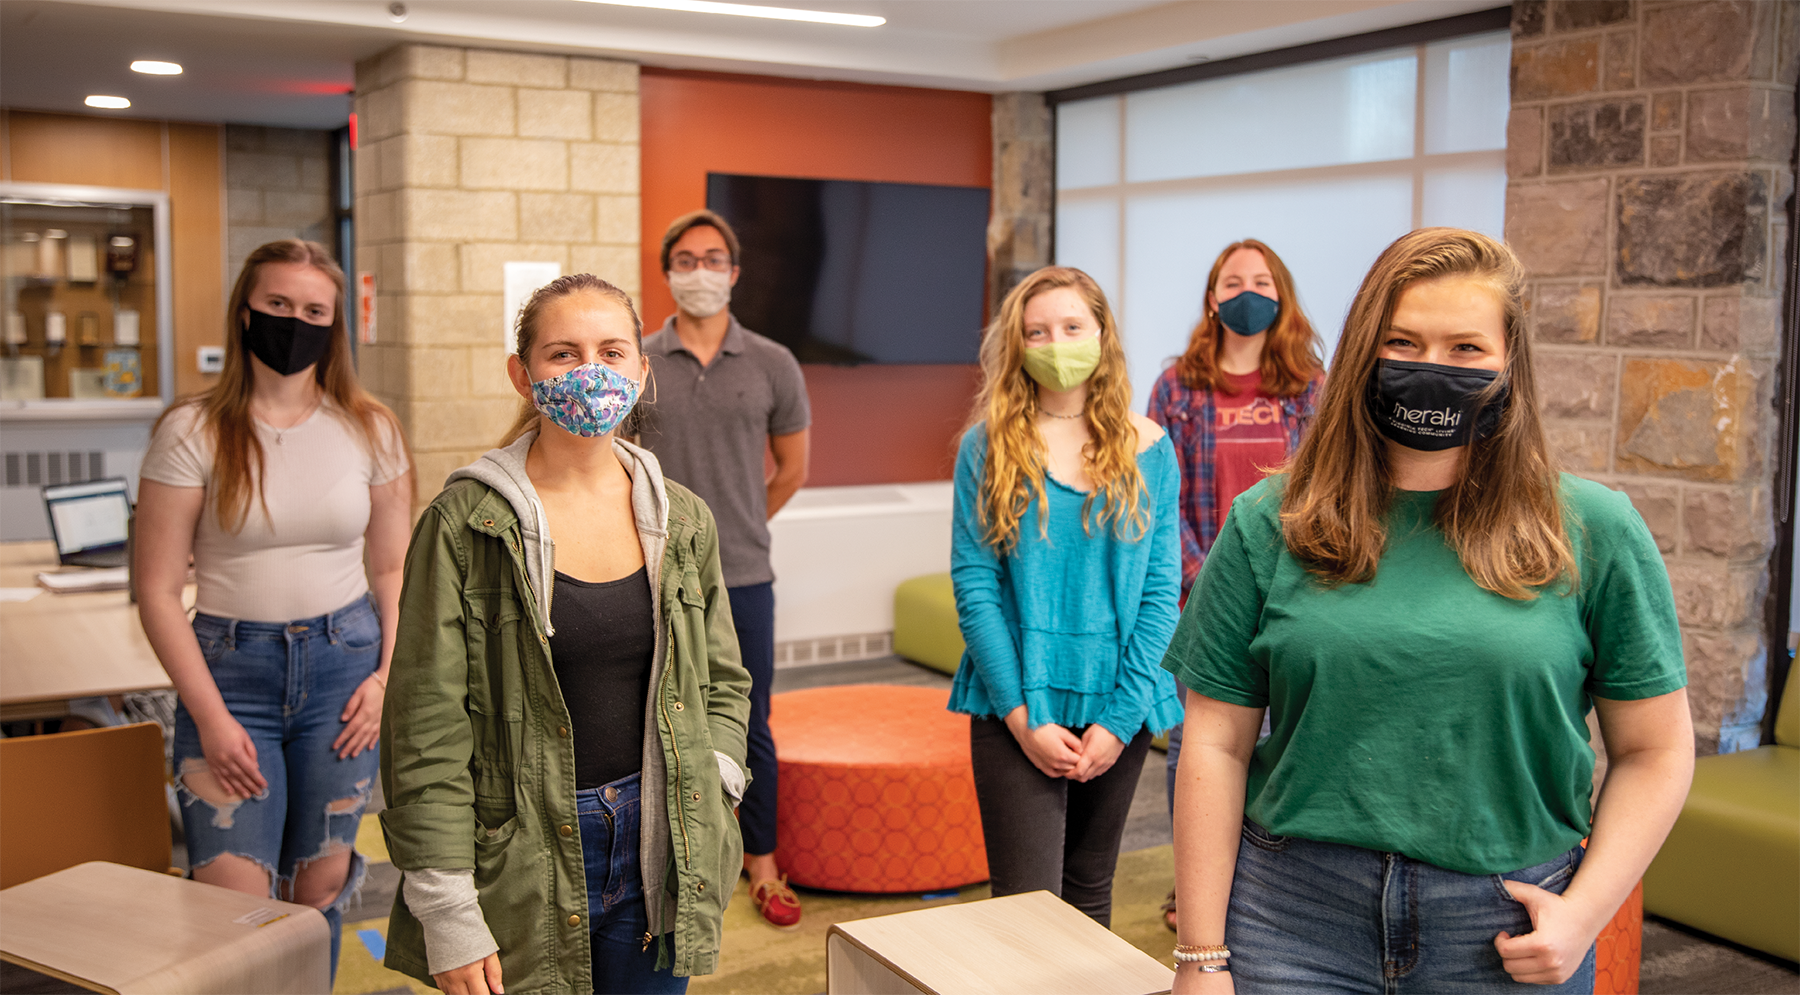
(491, 632)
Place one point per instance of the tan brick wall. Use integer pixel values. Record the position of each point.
(277, 185)
(1648, 162)
(470, 159)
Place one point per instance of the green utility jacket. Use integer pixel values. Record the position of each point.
(477, 764)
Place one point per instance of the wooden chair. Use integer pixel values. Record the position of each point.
(72, 797)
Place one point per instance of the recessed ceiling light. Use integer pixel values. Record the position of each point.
(151, 67)
(109, 103)
(752, 10)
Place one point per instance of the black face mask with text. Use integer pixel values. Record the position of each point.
(1429, 407)
(285, 345)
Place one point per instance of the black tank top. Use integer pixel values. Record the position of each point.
(605, 637)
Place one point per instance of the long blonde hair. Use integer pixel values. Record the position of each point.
(1502, 515)
(1013, 477)
(238, 458)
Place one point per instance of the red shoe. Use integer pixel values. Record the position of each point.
(777, 903)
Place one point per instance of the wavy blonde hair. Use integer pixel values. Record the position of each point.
(1502, 515)
(1013, 477)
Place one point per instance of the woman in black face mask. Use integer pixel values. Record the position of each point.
(1428, 610)
(274, 481)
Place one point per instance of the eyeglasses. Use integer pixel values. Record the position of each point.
(682, 262)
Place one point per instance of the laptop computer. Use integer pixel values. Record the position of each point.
(90, 521)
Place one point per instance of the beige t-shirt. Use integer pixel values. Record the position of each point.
(305, 558)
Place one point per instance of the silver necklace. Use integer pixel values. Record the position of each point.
(280, 433)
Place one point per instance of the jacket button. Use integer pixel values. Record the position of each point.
(567, 831)
(678, 706)
(562, 731)
(700, 887)
(487, 522)
(696, 796)
(574, 920)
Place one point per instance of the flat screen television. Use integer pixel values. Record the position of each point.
(848, 272)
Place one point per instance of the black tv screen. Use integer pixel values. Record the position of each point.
(841, 271)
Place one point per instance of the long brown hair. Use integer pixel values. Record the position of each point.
(525, 333)
(238, 458)
(1291, 353)
(1008, 403)
(1502, 515)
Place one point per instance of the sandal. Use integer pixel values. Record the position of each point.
(777, 903)
(1168, 911)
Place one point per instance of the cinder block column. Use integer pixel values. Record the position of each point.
(469, 159)
(1648, 154)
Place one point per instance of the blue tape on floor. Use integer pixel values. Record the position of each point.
(374, 941)
(928, 896)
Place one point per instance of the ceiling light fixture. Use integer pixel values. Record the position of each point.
(108, 103)
(150, 67)
(752, 10)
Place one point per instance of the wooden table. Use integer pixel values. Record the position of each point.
(112, 928)
(61, 646)
(1032, 944)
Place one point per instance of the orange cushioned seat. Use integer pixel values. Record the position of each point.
(877, 794)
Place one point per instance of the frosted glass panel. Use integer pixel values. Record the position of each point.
(1358, 109)
(1087, 143)
(1466, 87)
(1087, 238)
(1473, 198)
(1327, 232)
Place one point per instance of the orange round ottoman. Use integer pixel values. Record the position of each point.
(1619, 950)
(876, 794)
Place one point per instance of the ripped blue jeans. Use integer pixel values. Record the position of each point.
(287, 683)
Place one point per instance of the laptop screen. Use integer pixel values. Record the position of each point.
(88, 516)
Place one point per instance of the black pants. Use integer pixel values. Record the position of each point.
(753, 614)
(1050, 833)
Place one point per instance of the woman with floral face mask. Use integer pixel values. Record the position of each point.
(1066, 560)
(567, 740)
(1235, 405)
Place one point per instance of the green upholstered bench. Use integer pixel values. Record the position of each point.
(1731, 865)
(925, 629)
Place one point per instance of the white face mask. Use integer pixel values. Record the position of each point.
(702, 292)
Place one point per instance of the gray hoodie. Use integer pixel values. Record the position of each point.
(445, 900)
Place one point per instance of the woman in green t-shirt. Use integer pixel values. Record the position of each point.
(1428, 610)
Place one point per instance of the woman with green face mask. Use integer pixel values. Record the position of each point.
(1066, 559)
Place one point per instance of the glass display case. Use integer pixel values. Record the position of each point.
(87, 297)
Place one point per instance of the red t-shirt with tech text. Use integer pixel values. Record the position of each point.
(1248, 438)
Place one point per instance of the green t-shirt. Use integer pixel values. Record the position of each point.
(1418, 713)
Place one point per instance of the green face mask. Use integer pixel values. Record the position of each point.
(1062, 365)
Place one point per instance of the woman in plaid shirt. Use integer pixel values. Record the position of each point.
(1235, 405)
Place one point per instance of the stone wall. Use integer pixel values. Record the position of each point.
(1019, 229)
(1649, 157)
(470, 159)
(277, 185)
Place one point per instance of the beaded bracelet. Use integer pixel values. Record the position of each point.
(1188, 953)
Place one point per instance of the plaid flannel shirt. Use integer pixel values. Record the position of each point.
(1189, 417)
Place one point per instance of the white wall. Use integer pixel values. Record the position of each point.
(839, 553)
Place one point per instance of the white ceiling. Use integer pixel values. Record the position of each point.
(291, 62)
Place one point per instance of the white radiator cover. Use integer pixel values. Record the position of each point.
(839, 553)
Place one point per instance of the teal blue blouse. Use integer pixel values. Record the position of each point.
(1072, 623)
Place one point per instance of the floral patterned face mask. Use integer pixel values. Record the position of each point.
(589, 400)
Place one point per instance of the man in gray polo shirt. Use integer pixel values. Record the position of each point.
(723, 395)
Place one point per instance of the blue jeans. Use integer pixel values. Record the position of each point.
(287, 684)
(623, 954)
(1324, 917)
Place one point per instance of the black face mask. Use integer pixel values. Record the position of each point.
(285, 345)
(1429, 407)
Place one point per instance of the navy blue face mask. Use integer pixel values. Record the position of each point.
(1249, 313)
(1430, 407)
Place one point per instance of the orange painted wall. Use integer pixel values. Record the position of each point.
(871, 424)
